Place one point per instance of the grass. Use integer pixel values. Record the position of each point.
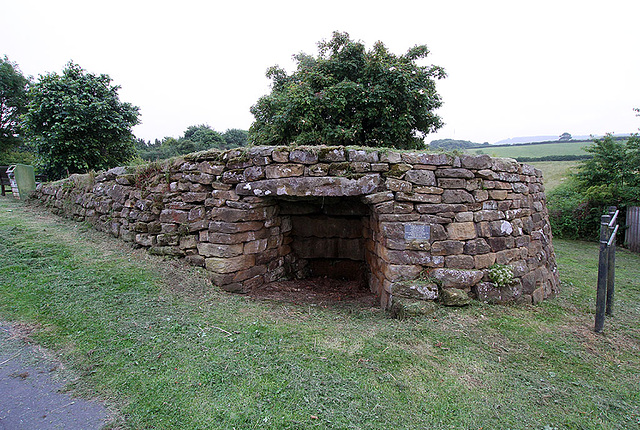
(165, 349)
(539, 150)
(555, 172)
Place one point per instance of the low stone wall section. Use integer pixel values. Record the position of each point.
(431, 221)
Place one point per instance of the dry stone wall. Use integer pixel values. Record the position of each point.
(421, 226)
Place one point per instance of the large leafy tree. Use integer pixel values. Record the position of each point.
(13, 103)
(77, 122)
(348, 95)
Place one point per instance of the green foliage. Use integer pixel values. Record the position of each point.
(350, 96)
(610, 178)
(501, 275)
(20, 156)
(449, 144)
(235, 137)
(564, 137)
(13, 104)
(553, 158)
(77, 123)
(196, 138)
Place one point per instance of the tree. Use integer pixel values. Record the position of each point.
(611, 176)
(195, 138)
(203, 137)
(77, 122)
(350, 96)
(235, 137)
(13, 103)
(564, 137)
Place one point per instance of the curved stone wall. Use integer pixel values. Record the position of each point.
(420, 225)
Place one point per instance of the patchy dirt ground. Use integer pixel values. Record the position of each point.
(320, 291)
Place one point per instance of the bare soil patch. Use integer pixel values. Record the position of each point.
(322, 291)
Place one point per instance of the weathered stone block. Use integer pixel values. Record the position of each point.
(219, 250)
(421, 177)
(235, 227)
(427, 159)
(255, 246)
(476, 246)
(457, 278)
(397, 273)
(398, 185)
(498, 194)
(538, 295)
(420, 290)
(275, 171)
(231, 264)
(402, 307)
(304, 156)
(452, 183)
(484, 261)
(280, 155)
(459, 261)
(461, 231)
(174, 216)
(253, 173)
(478, 162)
(363, 155)
(447, 247)
(374, 198)
(501, 228)
(317, 170)
(454, 297)
(418, 198)
(457, 196)
(454, 173)
(331, 154)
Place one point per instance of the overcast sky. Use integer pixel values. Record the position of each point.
(514, 68)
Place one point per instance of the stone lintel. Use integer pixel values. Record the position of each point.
(321, 186)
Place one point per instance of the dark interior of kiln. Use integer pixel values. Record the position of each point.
(328, 240)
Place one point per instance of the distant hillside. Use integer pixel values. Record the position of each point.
(538, 139)
(545, 151)
(449, 144)
(535, 139)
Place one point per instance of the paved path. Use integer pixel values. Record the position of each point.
(29, 394)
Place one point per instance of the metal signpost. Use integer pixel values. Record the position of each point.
(606, 267)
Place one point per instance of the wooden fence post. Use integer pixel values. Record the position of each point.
(601, 293)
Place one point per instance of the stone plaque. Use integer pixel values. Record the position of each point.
(417, 231)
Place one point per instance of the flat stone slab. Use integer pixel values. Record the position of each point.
(321, 186)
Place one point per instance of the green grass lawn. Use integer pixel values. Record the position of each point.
(165, 349)
(539, 150)
(555, 172)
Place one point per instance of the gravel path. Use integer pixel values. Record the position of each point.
(30, 396)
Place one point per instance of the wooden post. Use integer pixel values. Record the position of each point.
(611, 263)
(601, 293)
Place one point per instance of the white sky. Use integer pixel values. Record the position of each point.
(514, 68)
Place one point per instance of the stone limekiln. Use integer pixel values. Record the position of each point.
(409, 224)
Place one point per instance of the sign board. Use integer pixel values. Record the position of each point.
(417, 232)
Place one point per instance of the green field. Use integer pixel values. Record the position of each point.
(555, 172)
(164, 349)
(534, 150)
